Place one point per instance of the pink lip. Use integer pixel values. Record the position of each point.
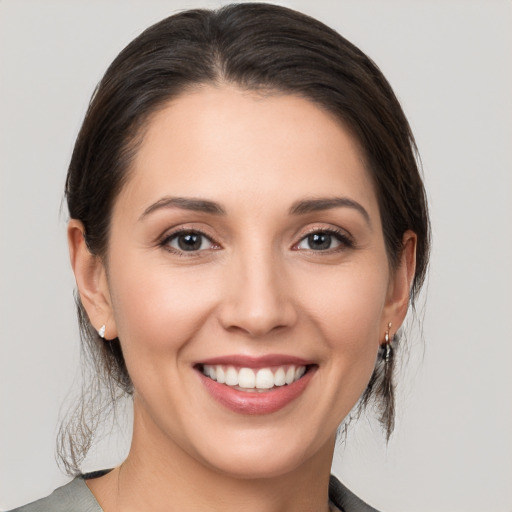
(251, 403)
(242, 361)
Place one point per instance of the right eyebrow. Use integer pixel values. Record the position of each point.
(184, 203)
(328, 203)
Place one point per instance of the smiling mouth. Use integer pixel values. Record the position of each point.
(254, 380)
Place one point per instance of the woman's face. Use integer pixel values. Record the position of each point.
(247, 244)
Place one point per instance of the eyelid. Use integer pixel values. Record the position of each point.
(163, 240)
(343, 236)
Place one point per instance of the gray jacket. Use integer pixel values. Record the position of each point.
(76, 497)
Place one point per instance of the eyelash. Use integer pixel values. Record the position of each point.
(168, 238)
(345, 241)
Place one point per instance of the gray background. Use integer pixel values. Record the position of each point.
(449, 62)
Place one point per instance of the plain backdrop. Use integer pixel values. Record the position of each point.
(450, 65)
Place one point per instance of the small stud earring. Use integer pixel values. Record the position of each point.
(101, 331)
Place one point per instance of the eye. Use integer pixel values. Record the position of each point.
(188, 241)
(324, 241)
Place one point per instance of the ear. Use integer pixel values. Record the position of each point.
(397, 300)
(91, 280)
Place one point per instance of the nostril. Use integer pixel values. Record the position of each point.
(256, 301)
(256, 324)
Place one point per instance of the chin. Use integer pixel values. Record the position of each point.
(257, 466)
(263, 455)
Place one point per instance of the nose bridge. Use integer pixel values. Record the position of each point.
(258, 301)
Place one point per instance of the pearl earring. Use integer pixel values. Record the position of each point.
(101, 331)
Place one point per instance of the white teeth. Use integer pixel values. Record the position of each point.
(221, 376)
(290, 375)
(279, 377)
(247, 378)
(264, 379)
(299, 372)
(231, 377)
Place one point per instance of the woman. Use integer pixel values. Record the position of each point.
(247, 230)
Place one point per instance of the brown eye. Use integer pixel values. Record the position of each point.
(189, 241)
(319, 241)
(324, 241)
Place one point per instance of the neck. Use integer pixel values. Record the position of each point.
(158, 473)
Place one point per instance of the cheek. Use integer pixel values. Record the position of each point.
(350, 302)
(347, 310)
(157, 308)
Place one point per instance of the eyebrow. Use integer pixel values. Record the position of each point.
(328, 203)
(298, 208)
(185, 203)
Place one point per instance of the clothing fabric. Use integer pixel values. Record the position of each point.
(76, 497)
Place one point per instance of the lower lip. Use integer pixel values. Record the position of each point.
(257, 402)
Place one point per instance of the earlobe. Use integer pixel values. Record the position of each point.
(91, 281)
(401, 281)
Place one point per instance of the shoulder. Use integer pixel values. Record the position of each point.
(72, 497)
(76, 497)
(346, 500)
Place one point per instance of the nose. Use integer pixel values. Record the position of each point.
(258, 298)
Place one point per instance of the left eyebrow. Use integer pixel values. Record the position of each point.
(328, 203)
(185, 203)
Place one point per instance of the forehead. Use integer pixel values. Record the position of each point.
(243, 147)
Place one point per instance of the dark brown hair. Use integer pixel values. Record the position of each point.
(256, 47)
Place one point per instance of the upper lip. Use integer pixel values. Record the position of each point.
(265, 361)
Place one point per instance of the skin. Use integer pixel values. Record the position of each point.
(255, 287)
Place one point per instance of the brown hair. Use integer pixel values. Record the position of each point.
(255, 46)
